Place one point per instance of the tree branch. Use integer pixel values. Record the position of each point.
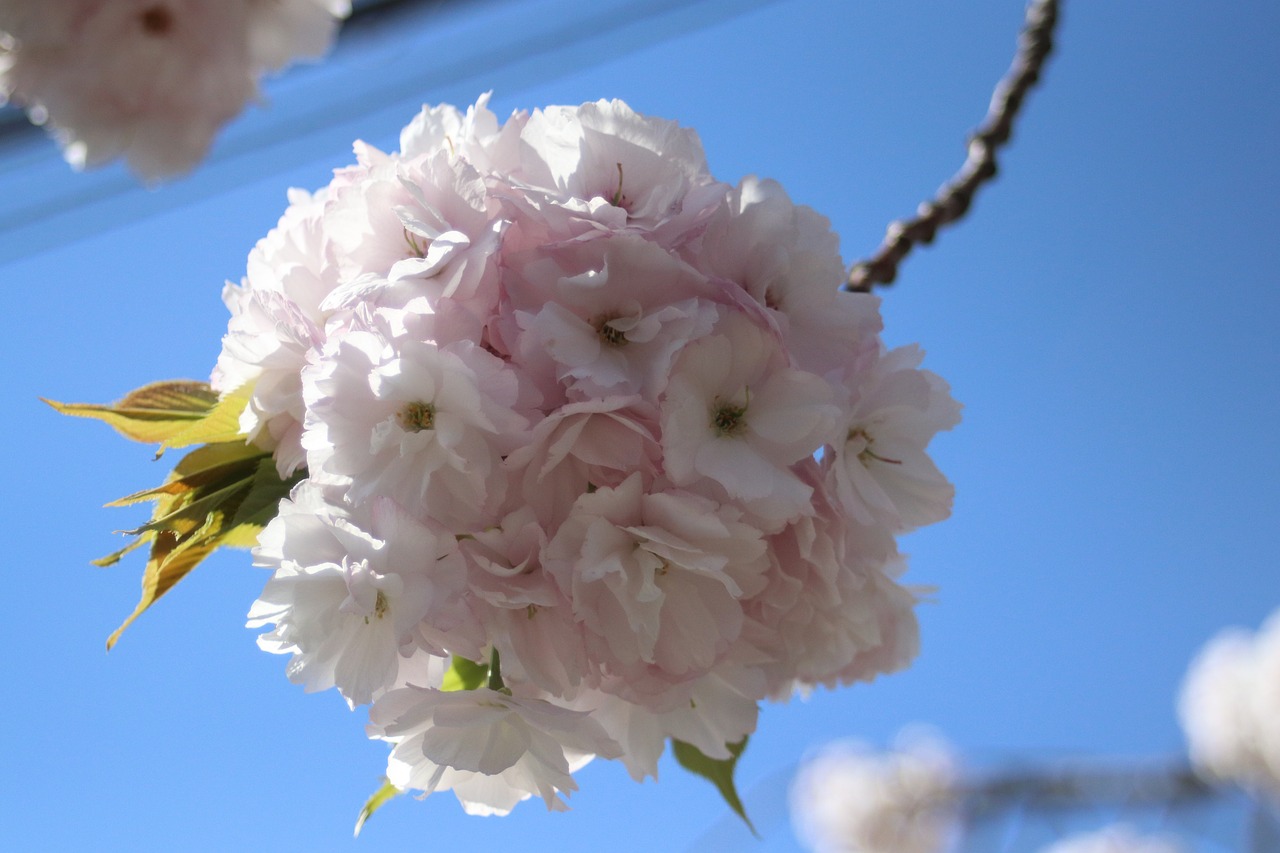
(1083, 787)
(955, 197)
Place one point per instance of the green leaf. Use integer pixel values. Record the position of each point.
(219, 494)
(465, 675)
(262, 501)
(375, 802)
(719, 771)
(153, 413)
(209, 467)
(220, 423)
(169, 563)
(114, 557)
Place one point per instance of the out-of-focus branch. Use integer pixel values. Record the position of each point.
(1083, 787)
(955, 197)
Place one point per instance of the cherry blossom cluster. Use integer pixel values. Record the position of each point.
(571, 409)
(1230, 708)
(150, 80)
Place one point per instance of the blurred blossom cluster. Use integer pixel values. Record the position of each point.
(914, 798)
(849, 799)
(1230, 708)
(150, 80)
(573, 410)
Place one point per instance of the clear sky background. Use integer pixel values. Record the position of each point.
(1109, 315)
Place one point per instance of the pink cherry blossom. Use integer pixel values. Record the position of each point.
(736, 418)
(709, 712)
(602, 168)
(656, 580)
(526, 616)
(490, 749)
(424, 425)
(475, 136)
(881, 472)
(582, 446)
(608, 317)
(149, 80)
(346, 602)
(784, 257)
(833, 611)
(422, 228)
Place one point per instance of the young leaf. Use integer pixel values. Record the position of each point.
(719, 771)
(464, 674)
(375, 802)
(219, 494)
(208, 467)
(221, 423)
(114, 557)
(194, 508)
(266, 490)
(169, 563)
(152, 413)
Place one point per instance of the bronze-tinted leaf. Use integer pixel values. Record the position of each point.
(153, 413)
(219, 494)
(172, 395)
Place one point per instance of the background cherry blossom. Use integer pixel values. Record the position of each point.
(1108, 316)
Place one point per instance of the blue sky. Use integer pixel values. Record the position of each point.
(1108, 314)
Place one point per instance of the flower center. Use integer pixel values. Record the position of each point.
(866, 452)
(417, 416)
(415, 247)
(157, 21)
(380, 605)
(728, 419)
(619, 200)
(771, 299)
(609, 333)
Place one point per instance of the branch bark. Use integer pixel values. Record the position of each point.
(955, 197)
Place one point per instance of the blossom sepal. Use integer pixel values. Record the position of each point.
(377, 800)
